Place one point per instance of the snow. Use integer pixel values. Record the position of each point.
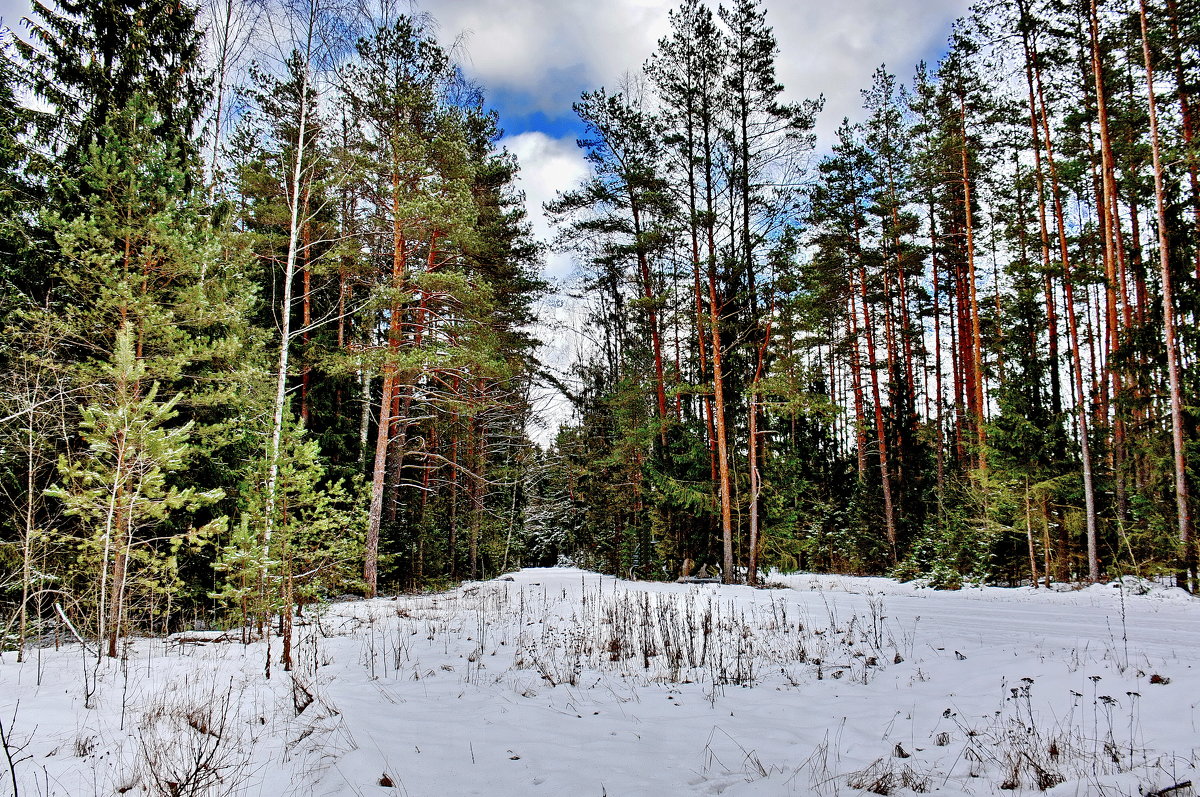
(559, 681)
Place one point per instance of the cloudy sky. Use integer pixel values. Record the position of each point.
(534, 58)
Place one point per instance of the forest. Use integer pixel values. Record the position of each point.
(269, 290)
(960, 346)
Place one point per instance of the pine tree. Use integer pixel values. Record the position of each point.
(434, 186)
(887, 141)
(686, 72)
(396, 92)
(839, 210)
(767, 141)
(619, 217)
(120, 487)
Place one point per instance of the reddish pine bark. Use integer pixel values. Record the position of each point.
(1188, 563)
(889, 514)
(1072, 322)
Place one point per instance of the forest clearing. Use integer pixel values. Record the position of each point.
(562, 681)
(280, 324)
(326, 330)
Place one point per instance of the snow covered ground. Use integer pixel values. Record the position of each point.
(562, 682)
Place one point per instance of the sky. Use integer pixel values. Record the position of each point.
(535, 57)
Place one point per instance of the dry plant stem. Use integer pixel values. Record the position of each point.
(12, 752)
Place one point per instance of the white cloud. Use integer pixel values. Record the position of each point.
(548, 165)
(832, 48)
(547, 52)
(542, 53)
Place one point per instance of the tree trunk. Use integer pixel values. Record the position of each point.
(305, 322)
(651, 316)
(722, 438)
(1089, 492)
(116, 600)
(976, 338)
(295, 223)
(937, 358)
(378, 472)
(1187, 573)
(1043, 227)
(476, 453)
(1114, 263)
(860, 423)
(386, 402)
(1189, 129)
(889, 513)
(753, 449)
(1033, 570)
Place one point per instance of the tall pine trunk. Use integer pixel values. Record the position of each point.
(1187, 574)
(976, 345)
(1089, 489)
(889, 512)
(723, 475)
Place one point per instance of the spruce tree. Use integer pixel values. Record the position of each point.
(90, 59)
(14, 190)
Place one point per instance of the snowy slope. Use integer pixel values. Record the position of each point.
(564, 682)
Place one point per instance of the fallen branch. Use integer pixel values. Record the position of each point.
(58, 607)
